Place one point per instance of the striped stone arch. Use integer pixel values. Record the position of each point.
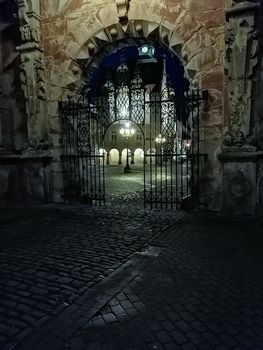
(87, 57)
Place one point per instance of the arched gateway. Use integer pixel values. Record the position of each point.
(144, 84)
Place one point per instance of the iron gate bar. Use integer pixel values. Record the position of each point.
(82, 167)
(171, 167)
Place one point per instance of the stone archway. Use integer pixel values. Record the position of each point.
(77, 35)
(88, 57)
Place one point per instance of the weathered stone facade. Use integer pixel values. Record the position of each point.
(23, 164)
(242, 154)
(217, 41)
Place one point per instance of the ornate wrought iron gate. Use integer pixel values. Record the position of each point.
(170, 124)
(172, 175)
(83, 163)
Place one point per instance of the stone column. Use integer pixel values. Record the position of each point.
(239, 154)
(32, 72)
(241, 58)
(1, 136)
(108, 158)
(258, 108)
(132, 158)
(120, 158)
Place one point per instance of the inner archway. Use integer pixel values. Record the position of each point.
(113, 157)
(122, 186)
(138, 156)
(136, 98)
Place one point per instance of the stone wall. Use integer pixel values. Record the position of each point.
(24, 179)
(13, 130)
(61, 42)
(75, 32)
(242, 151)
(23, 173)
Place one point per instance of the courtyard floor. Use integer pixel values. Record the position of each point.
(128, 188)
(120, 277)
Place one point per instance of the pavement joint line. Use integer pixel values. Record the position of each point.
(96, 299)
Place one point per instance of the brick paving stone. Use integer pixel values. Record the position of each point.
(147, 335)
(178, 337)
(117, 309)
(195, 338)
(173, 316)
(183, 326)
(77, 344)
(163, 337)
(126, 304)
(202, 290)
(109, 318)
(188, 346)
(245, 342)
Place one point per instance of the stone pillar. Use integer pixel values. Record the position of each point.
(258, 108)
(32, 72)
(108, 158)
(1, 135)
(241, 58)
(239, 153)
(120, 158)
(132, 158)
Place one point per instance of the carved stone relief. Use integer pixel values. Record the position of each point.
(40, 78)
(241, 58)
(122, 8)
(239, 187)
(32, 73)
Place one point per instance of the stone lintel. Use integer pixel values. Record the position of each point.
(242, 8)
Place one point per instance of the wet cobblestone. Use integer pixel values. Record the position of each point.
(202, 292)
(49, 259)
(74, 277)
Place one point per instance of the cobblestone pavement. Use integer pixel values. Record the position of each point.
(129, 187)
(78, 278)
(124, 187)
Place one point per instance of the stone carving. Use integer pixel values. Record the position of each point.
(28, 34)
(240, 58)
(40, 79)
(22, 12)
(32, 73)
(239, 187)
(230, 39)
(122, 8)
(23, 79)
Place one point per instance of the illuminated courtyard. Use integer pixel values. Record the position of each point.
(128, 188)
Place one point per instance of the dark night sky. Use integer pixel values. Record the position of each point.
(151, 72)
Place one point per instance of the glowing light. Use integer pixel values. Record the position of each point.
(160, 139)
(127, 131)
(145, 49)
